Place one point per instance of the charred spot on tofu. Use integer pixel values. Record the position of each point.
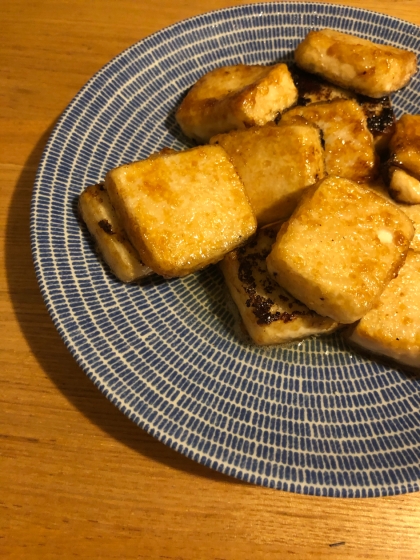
(106, 226)
(270, 314)
(379, 112)
(263, 306)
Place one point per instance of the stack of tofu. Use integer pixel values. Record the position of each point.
(283, 192)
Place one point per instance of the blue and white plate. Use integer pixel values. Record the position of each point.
(315, 418)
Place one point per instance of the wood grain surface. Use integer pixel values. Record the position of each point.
(78, 479)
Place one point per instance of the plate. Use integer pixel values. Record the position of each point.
(315, 418)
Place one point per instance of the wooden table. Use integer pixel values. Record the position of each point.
(78, 479)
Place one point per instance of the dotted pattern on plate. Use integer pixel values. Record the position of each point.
(314, 418)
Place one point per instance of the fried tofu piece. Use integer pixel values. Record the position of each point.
(340, 248)
(349, 149)
(351, 62)
(235, 97)
(275, 164)
(380, 117)
(403, 187)
(392, 327)
(183, 211)
(105, 227)
(269, 314)
(403, 167)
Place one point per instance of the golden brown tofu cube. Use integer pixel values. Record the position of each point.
(340, 248)
(235, 97)
(269, 314)
(275, 164)
(379, 113)
(349, 149)
(370, 69)
(103, 224)
(183, 211)
(404, 162)
(392, 327)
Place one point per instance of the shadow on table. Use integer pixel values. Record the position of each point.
(49, 349)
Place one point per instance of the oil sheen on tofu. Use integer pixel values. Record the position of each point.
(351, 62)
(340, 248)
(275, 164)
(183, 211)
(235, 97)
(269, 314)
